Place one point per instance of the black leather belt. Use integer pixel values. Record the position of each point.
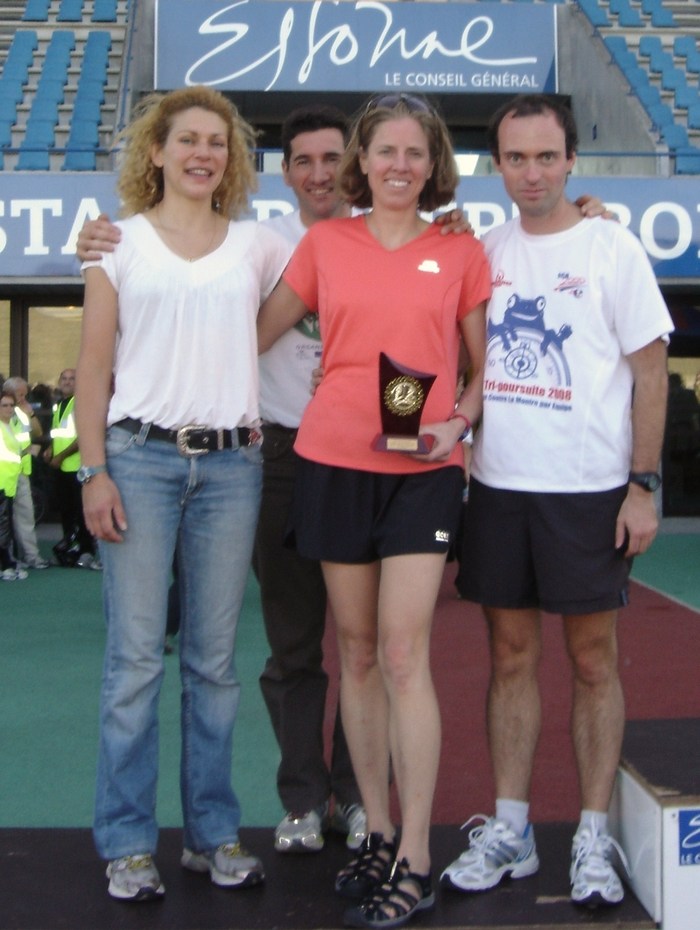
(195, 440)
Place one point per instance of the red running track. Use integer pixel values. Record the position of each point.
(659, 648)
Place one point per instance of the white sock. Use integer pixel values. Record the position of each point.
(596, 821)
(513, 812)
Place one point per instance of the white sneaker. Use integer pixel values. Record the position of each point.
(134, 878)
(229, 865)
(352, 820)
(594, 881)
(301, 832)
(495, 850)
(14, 574)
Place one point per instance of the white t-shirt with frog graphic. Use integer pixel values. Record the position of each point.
(566, 310)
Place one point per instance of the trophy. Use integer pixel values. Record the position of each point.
(402, 396)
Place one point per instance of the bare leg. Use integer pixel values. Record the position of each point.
(408, 590)
(598, 715)
(353, 591)
(513, 708)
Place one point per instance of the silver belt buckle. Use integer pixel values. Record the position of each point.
(183, 440)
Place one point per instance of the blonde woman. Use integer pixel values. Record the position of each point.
(167, 414)
(381, 523)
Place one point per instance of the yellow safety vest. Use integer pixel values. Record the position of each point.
(22, 426)
(10, 460)
(63, 433)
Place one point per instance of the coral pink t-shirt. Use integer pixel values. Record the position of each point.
(407, 303)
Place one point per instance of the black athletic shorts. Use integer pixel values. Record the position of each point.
(522, 549)
(351, 516)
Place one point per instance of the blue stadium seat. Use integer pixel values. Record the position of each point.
(638, 79)
(688, 160)
(686, 47)
(87, 109)
(79, 160)
(675, 136)
(44, 108)
(649, 95)
(12, 89)
(694, 117)
(20, 55)
(8, 109)
(97, 48)
(104, 11)
(686, 97)
(34, 159)
(5, 134)
(660, 16)
(621, 53)
(673, 79)
(89, 89)
(650, 46)
(51, 89)
(661, 114)
(83, 134)
(36, 11)
(58, 55)
(595, 13)
(70, 11)
(626, 15)
(39, 133)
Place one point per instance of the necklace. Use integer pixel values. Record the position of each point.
(171, 237)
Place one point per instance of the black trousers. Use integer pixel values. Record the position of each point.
(293, 682)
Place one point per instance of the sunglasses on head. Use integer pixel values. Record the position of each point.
(389, 101)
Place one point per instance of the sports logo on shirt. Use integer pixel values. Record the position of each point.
(526, 360)
(308, 326)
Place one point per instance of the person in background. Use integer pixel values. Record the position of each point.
(381, 523)
(28, 429)
(561, 496)
(10, 470)
(167, 414)
(77, 547)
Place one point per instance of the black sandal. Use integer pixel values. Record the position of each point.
(395, 901)
(367, 869)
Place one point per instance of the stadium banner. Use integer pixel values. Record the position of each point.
(361, 46)
(41, 215)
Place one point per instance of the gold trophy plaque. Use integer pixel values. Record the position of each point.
(402, 395)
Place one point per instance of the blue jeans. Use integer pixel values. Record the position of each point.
(205, 508)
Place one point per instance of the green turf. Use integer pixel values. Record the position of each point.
(672, 566)
(51, 643)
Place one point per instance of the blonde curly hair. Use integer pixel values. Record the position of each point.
(140, 184)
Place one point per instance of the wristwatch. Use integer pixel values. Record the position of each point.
(87, 472)
(649, 480)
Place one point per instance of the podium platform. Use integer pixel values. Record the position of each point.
(656, 817)
(52, 880)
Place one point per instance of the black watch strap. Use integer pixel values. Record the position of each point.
(649, 480)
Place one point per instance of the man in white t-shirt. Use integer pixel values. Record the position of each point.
(293, 593)
(561, 494)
